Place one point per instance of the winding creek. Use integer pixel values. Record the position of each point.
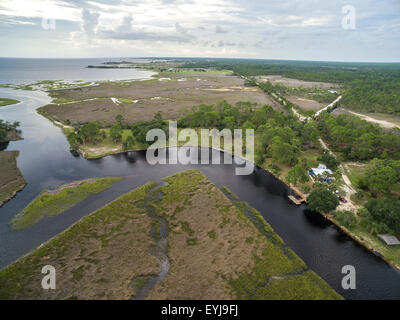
(45, 161)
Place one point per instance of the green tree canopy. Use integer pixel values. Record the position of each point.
(322, 200)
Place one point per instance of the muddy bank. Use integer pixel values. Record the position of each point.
(11, 179)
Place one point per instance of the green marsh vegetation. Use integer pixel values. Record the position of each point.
(247, 254)
(277, 273)
(6, 102)
(52, 202)
(110, 231)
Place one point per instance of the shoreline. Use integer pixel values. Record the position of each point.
(293, 189)
(299, 194)
(17, 177)
(361, 242)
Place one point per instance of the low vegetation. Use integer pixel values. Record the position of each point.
(52, 202)
(6, 102)
(222, 250)
(11, 179)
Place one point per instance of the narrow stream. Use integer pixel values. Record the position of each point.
(159, 234)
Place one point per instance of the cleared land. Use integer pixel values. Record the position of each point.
(307, 95)
(11, 179)
(141, 100)
(306, 104)
(217, 249)
(384, 120)
(52, 202)
(295, 83)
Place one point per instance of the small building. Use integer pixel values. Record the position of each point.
(389, 239)
(320, 170)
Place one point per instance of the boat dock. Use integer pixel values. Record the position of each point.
(296, 201)
(302, 197)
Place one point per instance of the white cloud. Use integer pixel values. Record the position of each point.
(242, 28)
(90, 22)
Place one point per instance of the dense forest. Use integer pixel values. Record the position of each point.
(370, 87)
(278, 136)
(357, 139)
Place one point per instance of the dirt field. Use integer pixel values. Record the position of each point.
(11, 179)
(214, 250)
(295, 83)
(306, 104)
(141, 100)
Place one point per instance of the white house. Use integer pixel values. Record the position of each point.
(320, 170)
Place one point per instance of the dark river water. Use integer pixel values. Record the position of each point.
(45, 161)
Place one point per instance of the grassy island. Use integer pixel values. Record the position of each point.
(6, 102)
(205, 245)
(52, 202)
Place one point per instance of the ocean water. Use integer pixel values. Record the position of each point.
(24, 71)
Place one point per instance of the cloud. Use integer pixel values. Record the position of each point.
(226, 44)
(263, 29)
(126, 24)
(15, 21)
(180, 29)
(143, 35)
(219, 29)
(90, 21)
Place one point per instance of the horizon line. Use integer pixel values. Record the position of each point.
(215, 58)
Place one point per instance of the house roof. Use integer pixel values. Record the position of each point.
(321, 169)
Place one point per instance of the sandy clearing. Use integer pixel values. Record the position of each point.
(383, 123)
(306, 104)
(295, 83)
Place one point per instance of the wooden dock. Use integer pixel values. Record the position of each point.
(296, 201)
(302, 196)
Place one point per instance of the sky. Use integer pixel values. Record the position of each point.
(352, 30)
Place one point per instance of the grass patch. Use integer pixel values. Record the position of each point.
(21, 279)
(212, 234)
(62, 100)
(6, 102)
(108, 251)
(50, 203)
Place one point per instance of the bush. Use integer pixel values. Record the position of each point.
(384, 212)
(346, 218)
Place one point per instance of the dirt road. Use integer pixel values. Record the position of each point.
(348, 188)
(383, 123)
(328, 106)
